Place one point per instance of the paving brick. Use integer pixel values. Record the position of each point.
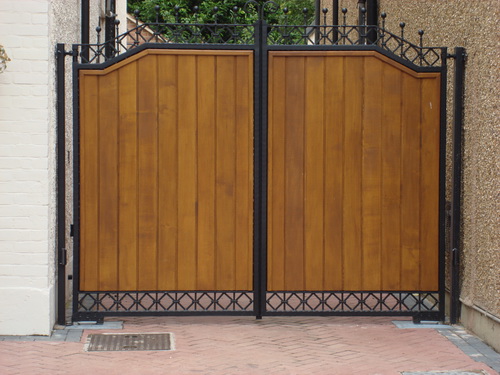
(277, 345)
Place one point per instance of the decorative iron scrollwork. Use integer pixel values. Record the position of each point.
(269, 7)
(278, 33)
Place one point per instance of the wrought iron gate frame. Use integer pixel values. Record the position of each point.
(419, 304)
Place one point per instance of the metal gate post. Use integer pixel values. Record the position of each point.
(61, 185)
(458, 88)
(442, 184)
(260, 168)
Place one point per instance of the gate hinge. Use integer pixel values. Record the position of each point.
(65, 53)
(63, 257)
(72, 230)
(454, 56)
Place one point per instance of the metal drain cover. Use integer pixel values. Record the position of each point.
(474, 372)
(103, 342)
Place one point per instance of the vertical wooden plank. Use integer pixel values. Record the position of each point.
(127, 171)
(244, 170)
(352, 255)
(391, 178)
(89, 182)
(225, 173)
(410, 187)
(314, 173)
(187, 179)
(108, 181)
(372, 173)
(294, 173)
(429, 198)
(148, 171)
(276, 173)
(167, 172)
(334, 171)
(206, 172)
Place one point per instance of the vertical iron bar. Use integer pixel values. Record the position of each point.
(442, 183)
(458, 93)
(362, 26)
(372, 18)
(317, 20)
(263, 166)
(335, 20)
(383, 15)
(110, 28)
(257, 206)
(361, 5)
(361, 21)
(61, 186)
(421, 45)
(401, 40)
(76, 186)
(85, 27)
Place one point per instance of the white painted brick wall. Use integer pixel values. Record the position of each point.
(26, 286)
(29, 30)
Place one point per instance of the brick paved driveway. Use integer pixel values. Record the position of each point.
(230, 345)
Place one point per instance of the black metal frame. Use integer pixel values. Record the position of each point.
(456, 199)
(261, 38)
(61, 184)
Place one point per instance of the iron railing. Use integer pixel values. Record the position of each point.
(282, 34)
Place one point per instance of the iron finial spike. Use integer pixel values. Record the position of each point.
(215, 10)
(176, 10)
(325, 11)
(421, 34)
(401, 43)
(157, 10)
(234, 13)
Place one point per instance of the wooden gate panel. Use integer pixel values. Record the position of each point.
(127, 172)
(371, 214)
(314, 164)
(352, 151)
(166, 172)
(334, 177)
(354, 173)
(147, 174)
(429, 184)
(390, 179)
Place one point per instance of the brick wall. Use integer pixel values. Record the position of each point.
(29, 31)
(26, 289)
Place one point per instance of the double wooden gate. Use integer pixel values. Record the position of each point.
(259, 178)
